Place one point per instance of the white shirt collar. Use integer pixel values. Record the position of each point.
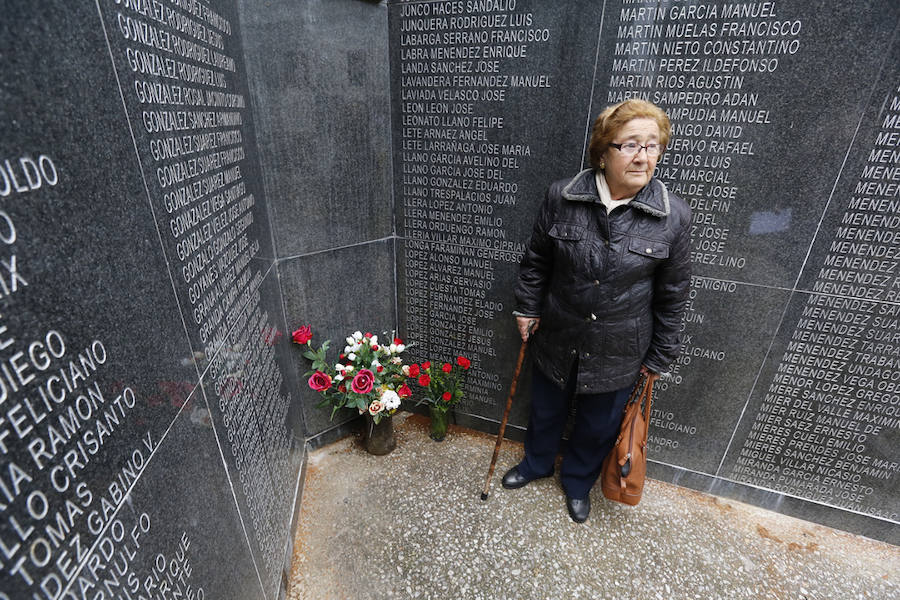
(605, 196)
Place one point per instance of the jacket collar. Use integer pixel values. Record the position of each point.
(652, 199)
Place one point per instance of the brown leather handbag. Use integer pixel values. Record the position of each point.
(625, 467)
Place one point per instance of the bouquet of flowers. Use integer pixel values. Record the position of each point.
(368, 376)
(444, 384)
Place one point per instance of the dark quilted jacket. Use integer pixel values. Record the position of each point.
(609, 289)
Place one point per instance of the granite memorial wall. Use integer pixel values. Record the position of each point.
(785, 144)
(148, 421)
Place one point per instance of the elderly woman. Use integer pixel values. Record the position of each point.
(602, 287)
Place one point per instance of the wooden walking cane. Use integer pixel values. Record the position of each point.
(512, 392)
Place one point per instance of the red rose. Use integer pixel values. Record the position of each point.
(374, 346)
(303, 335)
(368, 335)
(424, 380)
(446, 367)
(446, 396)
(403, 391)
(363, 382)
(398, 341)
(413, 370)
(380, 369)
(342, 388)
(464, 362)
(426, 365)
(320, 381)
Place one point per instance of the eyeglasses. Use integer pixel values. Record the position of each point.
(632, 148)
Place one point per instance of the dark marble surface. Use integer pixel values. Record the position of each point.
(161, 543)
(319, 81)
(121, 465)
(472, 160)
(336, 293)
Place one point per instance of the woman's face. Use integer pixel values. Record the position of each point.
(626, 175)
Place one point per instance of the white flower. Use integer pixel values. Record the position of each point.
(355, 347)
(348, 369)
(393, 348)
(375, 364)
(397, 360)
(350, 342)
(374, 340)
(400, 348)
(405, 370)
(348, 349)
(357, 335)
(339, 377)
(351, 356)
(391, 399)
(339, 367)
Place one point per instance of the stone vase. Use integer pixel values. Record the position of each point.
(378, 438)
(440, 420)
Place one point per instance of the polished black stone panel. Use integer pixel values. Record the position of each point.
(102, 425)
(489, 107)
(160, 544)
(747, 92)
(185, 91)
(94, 357)
(318, 76)
(337, 292)
(772, 218)
(253, 413)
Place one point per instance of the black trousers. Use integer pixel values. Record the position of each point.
(597, 421)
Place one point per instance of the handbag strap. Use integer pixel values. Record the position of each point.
(647, 396)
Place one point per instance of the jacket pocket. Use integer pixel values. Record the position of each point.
(649, 248)
(567, 231)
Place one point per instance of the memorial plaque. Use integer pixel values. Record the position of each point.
(161, 544)
(744, 83)
(252, 417)
(184, 87)
(490, 104)
(827, 411)
(130, 266)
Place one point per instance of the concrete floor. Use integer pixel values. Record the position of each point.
(412, 525)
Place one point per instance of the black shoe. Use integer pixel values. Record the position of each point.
(514, 480)
(579, 509)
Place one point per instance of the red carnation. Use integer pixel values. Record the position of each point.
(446, 396)
(446, 367)
(398, 341)
(426, 365)
(464, 362)
(303, 335)
(403, 391)
(413, 370)
(424, 380)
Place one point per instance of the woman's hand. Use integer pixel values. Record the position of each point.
(645, 371)
(527, 326)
